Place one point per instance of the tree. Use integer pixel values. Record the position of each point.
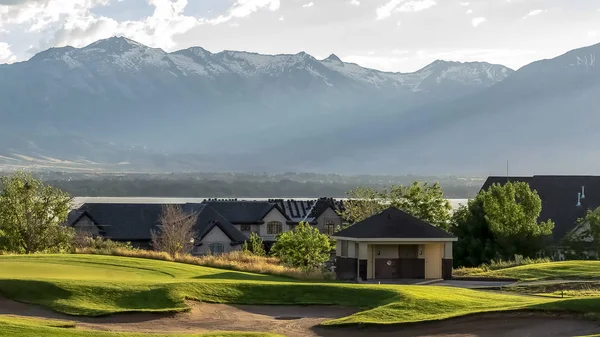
(175, 233)
(255, 245)
(500, 223)
(304, 247)
(579, 242)
(32, 216)
(421, 200)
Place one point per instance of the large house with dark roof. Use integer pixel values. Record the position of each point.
(565, 200)
(393, 245)
(222, 225)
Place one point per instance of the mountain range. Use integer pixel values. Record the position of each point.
(119, 103)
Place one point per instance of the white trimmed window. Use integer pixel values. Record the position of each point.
(216, 248)
(274, 227)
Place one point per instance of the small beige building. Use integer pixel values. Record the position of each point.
(393, 245)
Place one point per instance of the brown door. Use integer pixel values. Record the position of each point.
(386, 269)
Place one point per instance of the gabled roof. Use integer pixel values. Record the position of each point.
(394, 224)
(305, 210)
(559, 198)
(134, 222)
(244, 212)
(124, 221)
(209, 218)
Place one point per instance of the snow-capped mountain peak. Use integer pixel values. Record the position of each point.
(128, 55)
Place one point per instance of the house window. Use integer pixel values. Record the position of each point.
(344, 248)
(274, 228)
(246, 228)
(329, 229)
(216, 248)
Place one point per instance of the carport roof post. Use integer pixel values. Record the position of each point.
(454, 239)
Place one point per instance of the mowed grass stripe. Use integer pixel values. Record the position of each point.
(553, 270)
(383, 304)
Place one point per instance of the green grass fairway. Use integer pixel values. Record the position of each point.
(10, 326)
(95, 285)
(551, 270)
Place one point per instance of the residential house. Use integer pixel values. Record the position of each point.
(135, 222)
(565, 200)
(393, 245)
(222, 224)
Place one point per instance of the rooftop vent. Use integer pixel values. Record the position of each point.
(578, 199)
(582, 192)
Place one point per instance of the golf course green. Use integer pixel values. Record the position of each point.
(94, 285)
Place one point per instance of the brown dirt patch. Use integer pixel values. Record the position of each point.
(303, 321)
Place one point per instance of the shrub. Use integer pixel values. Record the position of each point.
(304, 247)
(497, 265)
(99, 245)
(254, 245)
(238, 260)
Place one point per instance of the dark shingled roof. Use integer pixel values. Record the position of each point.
(559, 198)
(134, 222)
(124, 221)
(209, 218)
(242, 212)
(394, 224)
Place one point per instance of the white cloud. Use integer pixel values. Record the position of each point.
(534, 13)
(469, 11)
(355, 2)
(6, 55)
(310, 4)
(39, 14)
(478, 21)
(243, 8)
(386, 10)
(593, 33)
(464, 4)
(281, 18)
(75, 24)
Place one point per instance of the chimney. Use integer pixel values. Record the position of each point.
(582, 192)
(578, 199)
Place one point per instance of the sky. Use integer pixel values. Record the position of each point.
(390, 35)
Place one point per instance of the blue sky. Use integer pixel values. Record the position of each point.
(393, 35)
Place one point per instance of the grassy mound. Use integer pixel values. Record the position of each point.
(95, 285)
(11, 326)
(552, 270)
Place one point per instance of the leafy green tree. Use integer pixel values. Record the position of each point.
(304, 247)
(32, 215)
(422, 200)
(254, 245)
(500, 223)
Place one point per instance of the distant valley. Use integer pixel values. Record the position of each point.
(119, 105)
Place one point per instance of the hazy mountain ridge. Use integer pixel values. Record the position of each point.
(118, 101)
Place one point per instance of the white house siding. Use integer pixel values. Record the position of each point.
(273, 215)
(86, 225)
(331, 215)
(215, 235)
